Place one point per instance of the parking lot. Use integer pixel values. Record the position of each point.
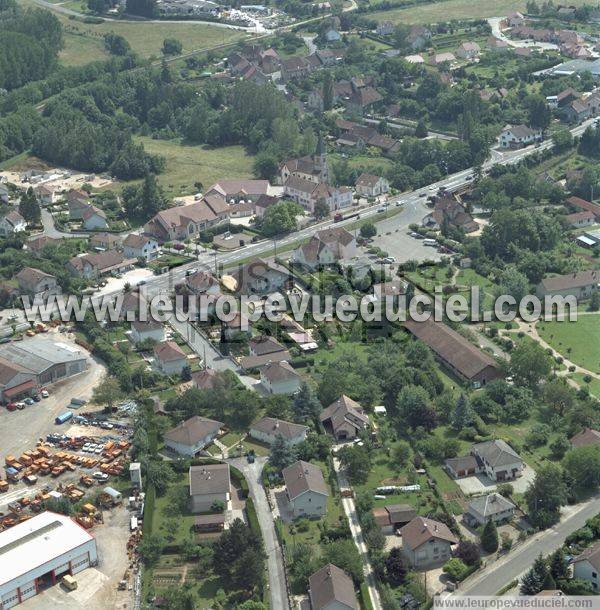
(20, 430)
(96, 587)
(392, 235)
(480, 483)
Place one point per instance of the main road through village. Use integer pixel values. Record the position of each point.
(413, 210)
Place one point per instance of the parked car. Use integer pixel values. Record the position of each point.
(190, 271)
(44, 393)
(36, 398)
(100, 476)
(389, 259)
(20, 406)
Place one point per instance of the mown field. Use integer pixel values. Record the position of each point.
(189, 164)
(578, 341)
(84, 41)
(453, 9)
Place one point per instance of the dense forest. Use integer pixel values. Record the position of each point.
(29, 44)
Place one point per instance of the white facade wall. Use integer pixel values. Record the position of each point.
(74, 561)
(430, 553)
(187, 449)
(158, 334)
(201, 503)
(286, 386)
(309, 504)
(173, 367)
(95, 222)
(269, 439)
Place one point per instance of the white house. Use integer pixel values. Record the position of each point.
(150, 329)
(12, 222)
(170, 358)
(46, 194)
(385, 28)
(260, 277)
(492, 507)
(369, 185)
(93, 219)
(587, 565)
(468, 50)
(193, 435)
(209, 483)
(306, 489)
(35, 282)
(279, 378)
(4, 194)
(326, 247)
(426, 542)
(344, 418)
(332, 36)
(330, 588)
(580, 284)
(140, 246)
(498, 460)
(267, 429)
(307, 193)
(38, 553)
(517, 136)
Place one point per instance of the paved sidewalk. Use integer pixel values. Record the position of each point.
(350, 510)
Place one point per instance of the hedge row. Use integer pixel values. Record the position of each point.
(240, 480)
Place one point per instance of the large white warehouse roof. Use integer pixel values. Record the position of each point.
(36, 542)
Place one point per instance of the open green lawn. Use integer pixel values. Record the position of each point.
(82, 49)
(174, 527)
(188, 164)
(85, 39)
(437, 12)
(593, 385)
(578, 341)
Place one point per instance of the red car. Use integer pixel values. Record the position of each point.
(11, 406)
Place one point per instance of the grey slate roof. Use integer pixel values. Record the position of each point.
(490, 505)
(209, 479)
(497, 453)
(301, 477)
(331, 585)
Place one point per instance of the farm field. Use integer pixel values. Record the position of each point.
(578, 341)
(189, 164)
(455, 9)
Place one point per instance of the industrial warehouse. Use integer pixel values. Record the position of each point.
(38, 553)
(33, 363)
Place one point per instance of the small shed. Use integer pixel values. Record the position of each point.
(209, 523)
(114, 495)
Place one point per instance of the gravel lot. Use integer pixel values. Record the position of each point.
(20, 430)
(96, 587)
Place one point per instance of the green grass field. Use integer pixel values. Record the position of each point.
(188, 164)
(83, 41)
(582, 338)
(594, 385)
(453, 9)
(82, 49)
